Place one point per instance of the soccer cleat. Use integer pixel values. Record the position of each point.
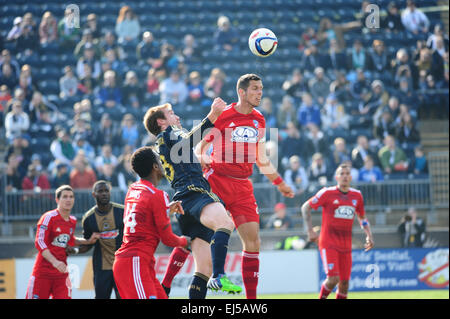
(222, 283)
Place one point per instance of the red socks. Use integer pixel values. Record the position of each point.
(250, 273)
(176, 262)
(340, 296)
(324, 291)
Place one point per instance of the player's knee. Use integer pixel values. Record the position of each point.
(343, 285)
(333, 280)
(252, 244)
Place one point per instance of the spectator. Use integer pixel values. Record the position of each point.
(438, 40)
(432, 103)
(13, 177)
(148, 49)
(48, 30)
(118, 66)
(25, 71)
(196, 92)
(108, 42)
(370, 173)
(279, 220)
(88, 40)
(81, 128)
(266, 108)
(81, 143)
(88, 58)
(286, 112)
(127, 25)
(319, 86)
(106, 157)
(108, 174)
(28, 42)
(392, 158)
(22, 154)
(68, 84)
(379, 62)
(17, 122)
(133, 94)
(296, 86)
(110, 96)
(414, 20)
(106, 133)
(168, 59)
(295, 176)
(309, 112)
(152, 83)
(173, 90)
(294, 144)
(377, 98)
(82, 175)
(5, 98)
(319, 171)
(361, 152)
(311, 59)
(15, 31)
(128, 131)
(401, 62)
(412, 229)
(360, 88)
(340, 153)
(7, 76)
(334, 118)
(317, 141)
(68, 32)
(60, 176)
(62, 149)
(358, 58)
(92, 26)
(225, 37)
(407, 134)
(26, 87)
(308, 36)
(8, 59)
(336, 58)
(126, 176)
(190, 50)
(392, 22)
(35, 180)
(215, 83)
(87, 83)
(419, 164)
(384, 127)
(328, 31)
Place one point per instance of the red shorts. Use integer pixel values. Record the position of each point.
(136, 279)
(237, 194)
(44, 287)
(336, 263)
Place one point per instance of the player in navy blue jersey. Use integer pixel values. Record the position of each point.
(205, 220)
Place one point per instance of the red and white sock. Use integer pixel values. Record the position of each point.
(250, 273)
(324, 291)
(340, 295)
(176, 262)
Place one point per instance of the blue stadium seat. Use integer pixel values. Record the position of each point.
(49, 86)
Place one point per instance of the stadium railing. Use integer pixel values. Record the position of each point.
(393, 194)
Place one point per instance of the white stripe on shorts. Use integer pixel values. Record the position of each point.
(324, 260)
(30, 288)
(137, 278)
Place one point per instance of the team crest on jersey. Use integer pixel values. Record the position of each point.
(336, 202)
(354, 202)
(314, 200)
(61, 240)
(344, 212)
(58, 230)
(255, 122)
(330, 266)
(244, 134)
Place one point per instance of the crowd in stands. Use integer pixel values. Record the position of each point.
(343, 101)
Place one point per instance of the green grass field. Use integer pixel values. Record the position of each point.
(407, 294)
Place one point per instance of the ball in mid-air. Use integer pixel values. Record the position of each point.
(262, 42)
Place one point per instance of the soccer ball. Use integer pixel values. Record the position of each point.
(262, 42)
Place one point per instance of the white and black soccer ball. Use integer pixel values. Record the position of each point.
(262, 42)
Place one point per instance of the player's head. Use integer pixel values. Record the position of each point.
(145, 162)
(343, 175)
(249, 89)
(101, 191)
(158, 118)
(65, 197)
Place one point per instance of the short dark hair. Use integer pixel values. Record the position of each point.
(100, 182)
(151, 118)
(142, 161)
(62, 188)
(244, 81)
(342, 166)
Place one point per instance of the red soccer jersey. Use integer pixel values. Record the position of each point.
(146, 221)
(338, 212)
(235, 138)
(53, 233)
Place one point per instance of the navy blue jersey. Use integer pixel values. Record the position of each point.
(176, 151)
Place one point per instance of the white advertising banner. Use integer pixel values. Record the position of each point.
(280, 272)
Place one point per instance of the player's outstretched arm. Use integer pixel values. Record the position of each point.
(267, 168)
(217, 108)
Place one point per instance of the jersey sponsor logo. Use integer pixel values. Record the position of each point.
(111, 234)
(134, 194)
(244, 134)
(61, 240)
(344, 212)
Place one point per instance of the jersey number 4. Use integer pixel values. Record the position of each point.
(129, 219)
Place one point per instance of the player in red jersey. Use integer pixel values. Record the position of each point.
(55, 232)
(238, 140)
(146, 223)
(339, 205)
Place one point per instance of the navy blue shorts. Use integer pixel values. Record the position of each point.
(193, 202)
